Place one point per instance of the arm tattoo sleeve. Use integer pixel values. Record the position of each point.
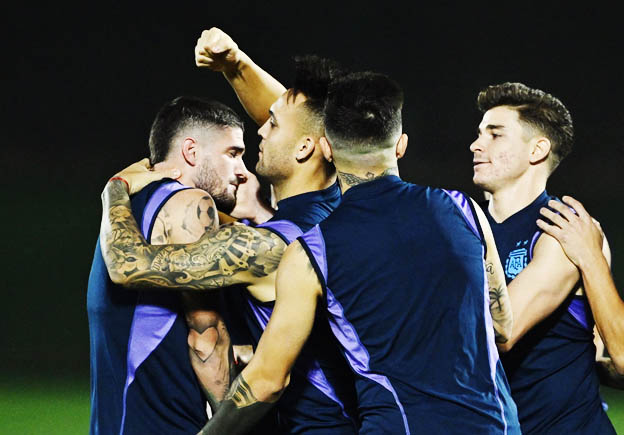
(230, 255)
(238, 412)
(500, 307)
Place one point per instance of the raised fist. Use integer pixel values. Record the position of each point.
(217, 51)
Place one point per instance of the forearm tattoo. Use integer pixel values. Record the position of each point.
(217, 260)
(500, 307)
(239, 411)
(352, 179)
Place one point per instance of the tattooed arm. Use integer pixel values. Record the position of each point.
(500, 306)
(233, 254)
(262, 382)
(184, 218)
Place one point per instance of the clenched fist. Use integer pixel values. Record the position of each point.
(217, 51)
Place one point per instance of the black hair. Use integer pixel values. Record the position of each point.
(313, 76)
(183, 112)
(363, 112)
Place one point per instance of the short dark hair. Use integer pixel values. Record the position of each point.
(536, 108)
(363, 112)
(313, 75)
(184, 112)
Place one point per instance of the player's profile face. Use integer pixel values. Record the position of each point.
(279, 134)
(501, 150)
(221, 167)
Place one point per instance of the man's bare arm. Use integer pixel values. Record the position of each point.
(540, 288)
(184, 218)
(233, 254)
(500, 305)
(262, 382)
(582, 242)
(255, 88)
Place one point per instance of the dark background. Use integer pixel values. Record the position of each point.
(84, 85)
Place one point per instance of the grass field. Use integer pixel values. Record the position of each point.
(62, 407)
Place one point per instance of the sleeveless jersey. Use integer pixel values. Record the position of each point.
(141, 376)
(320, 398)
(407, 299)
(551, 370)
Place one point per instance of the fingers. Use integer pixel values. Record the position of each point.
(576, 205)
(555, 218)
(562, 209)
(212, 43)
(548, 229)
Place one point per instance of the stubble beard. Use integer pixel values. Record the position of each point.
(209, 180)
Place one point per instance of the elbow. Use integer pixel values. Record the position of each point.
(118, 278)
(507, 344)
(618, 363)
(271, 388)
(504, 347)
(504, 337)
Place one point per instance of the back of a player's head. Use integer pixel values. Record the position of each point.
(185, 113)
(538, 110)
(313, 75)
(363, 113)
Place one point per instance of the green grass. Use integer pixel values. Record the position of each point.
(46, 407)
(615, 400)
(62, 407)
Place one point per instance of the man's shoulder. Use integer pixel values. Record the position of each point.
(185, 215)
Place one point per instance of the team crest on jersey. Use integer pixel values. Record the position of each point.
(516, 260)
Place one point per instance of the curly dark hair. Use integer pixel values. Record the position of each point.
(536, 108)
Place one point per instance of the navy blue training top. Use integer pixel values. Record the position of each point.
(406, 296)
(141, 376)
(320, 398)
(551, 370)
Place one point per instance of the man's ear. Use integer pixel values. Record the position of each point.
(189, 149)
(305, 149)
(326, 149)
(540, 149)
(401, 146)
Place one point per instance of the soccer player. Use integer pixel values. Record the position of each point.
(142, 380)
(582, 240)
(321, 397)
(550, 358)
(399, 271)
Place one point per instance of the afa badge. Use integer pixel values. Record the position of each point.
(516, 261)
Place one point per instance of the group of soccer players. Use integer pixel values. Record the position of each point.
(372, 305)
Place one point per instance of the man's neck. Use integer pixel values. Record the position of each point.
(185, 178)
(300, 185)
(350, 177)
(511, 199)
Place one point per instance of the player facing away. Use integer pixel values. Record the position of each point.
(550, 358)
(321, 398)
(142, 380)
(399, 271)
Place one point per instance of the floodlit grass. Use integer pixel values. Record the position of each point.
(62, 407)
(615, 400)
(44, 407)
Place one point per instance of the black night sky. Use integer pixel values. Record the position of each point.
(81, 87)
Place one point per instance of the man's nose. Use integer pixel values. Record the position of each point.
(262, 129)
(241, 172)
(476, 146)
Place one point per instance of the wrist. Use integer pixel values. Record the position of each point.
(240, 63)
(592, 261)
